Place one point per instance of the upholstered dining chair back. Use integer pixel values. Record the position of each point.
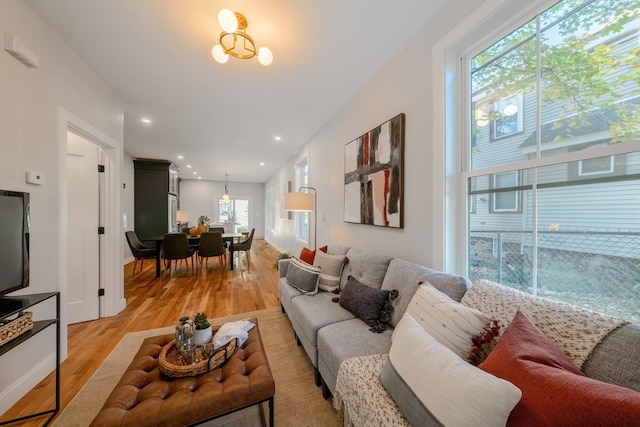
(139, 251)
(211, 244)
(175, 246)
(245, 246)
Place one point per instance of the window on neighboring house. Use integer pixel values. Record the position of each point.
(569, 173)
(501, 200)
(302, 218)
(596, 166)
(508, 117)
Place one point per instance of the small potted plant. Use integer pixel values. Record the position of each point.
(203, 331)
(282, 255)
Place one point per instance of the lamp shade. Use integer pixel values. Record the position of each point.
(299, 202)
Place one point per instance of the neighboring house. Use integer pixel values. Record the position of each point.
(586, 212)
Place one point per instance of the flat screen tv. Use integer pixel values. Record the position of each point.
(14, 241)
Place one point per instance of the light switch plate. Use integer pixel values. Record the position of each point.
(34, 177)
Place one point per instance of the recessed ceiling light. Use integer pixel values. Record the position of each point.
(261, 163)
(181, 157)
(189, 166)
(277, 138)
(199, 177)
(146, 121)
(195, 173)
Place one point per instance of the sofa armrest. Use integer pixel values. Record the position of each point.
(283, 266)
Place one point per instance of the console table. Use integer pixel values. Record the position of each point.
(13, 305)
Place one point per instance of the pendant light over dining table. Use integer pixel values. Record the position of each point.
(226, 197)
(235, 41)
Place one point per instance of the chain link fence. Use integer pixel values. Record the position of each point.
(592, 269)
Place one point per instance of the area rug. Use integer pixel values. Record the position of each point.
(297, 400)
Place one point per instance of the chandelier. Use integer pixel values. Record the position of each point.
(235, 41)
(226, 197)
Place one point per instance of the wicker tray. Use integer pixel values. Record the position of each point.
(10, 329)
(171, 366)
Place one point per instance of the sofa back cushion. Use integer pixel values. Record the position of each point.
(367, 267)
(616, 359)
(406, 276)
(334, 249)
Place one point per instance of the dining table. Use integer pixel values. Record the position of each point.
(193, 240)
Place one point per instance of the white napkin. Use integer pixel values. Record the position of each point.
(230, 330)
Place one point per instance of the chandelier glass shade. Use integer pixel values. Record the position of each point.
(234, 40)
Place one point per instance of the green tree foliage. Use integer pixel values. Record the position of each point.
(583, 70)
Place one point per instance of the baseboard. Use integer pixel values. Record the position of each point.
(128, 260)
(122, 304)
(14, 392)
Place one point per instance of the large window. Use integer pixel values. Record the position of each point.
(552, 174)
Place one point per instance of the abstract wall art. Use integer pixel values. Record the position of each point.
(374, 176)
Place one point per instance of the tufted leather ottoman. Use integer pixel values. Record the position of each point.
(146, 397)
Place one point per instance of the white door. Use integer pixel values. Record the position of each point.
(83, 210)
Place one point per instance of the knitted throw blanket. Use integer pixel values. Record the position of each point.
(575, 330)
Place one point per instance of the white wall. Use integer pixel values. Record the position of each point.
(404, 86)
(198, 197)
(29, 108)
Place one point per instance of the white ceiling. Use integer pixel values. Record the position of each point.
(156, 55)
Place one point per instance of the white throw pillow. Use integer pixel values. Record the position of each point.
(455, 392)
(451, 323)
(330, 270)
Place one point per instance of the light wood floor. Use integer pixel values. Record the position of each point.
(152, 303)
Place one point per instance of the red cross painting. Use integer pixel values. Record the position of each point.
(373, 176)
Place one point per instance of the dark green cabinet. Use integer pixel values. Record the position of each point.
(155, 197)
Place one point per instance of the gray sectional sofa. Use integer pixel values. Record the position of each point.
(331, 334)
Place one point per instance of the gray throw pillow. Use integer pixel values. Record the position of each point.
(365, 302)
(303, 276)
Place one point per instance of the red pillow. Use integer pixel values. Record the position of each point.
(307, 255)
(554, 390)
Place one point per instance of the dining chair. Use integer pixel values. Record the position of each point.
(219, 230)
(175, 246)
(245, 246)
(139, 250)
(211, 244)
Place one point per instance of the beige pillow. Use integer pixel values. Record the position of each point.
(330, 270)
(451, 323)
